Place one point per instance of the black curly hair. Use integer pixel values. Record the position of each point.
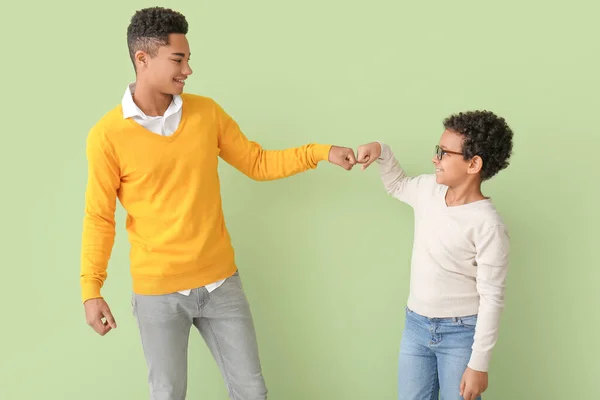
(485, 135)
(150, 28)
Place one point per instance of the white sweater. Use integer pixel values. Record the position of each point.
(460, 255)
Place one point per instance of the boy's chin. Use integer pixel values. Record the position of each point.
(441, 181)
(175, 91)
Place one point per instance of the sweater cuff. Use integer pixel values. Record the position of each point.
(385, 150)
(90, 290)
(480, 361)
(320, 152)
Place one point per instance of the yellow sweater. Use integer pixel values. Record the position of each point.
(169, 187)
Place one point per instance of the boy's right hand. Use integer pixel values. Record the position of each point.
(95, 311)
(368, 153)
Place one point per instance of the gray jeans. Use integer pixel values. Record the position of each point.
(223, 319)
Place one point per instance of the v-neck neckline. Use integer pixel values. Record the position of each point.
(146, 132)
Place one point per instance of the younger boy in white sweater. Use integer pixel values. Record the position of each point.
(459, 261)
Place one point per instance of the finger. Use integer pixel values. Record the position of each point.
(363, 156)
(367, 163)
(462, 386)
(351, 158)
(106, 328)
(100, 327)
(109, 318)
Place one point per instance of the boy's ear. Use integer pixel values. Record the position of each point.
(475, 165)
(141, 58)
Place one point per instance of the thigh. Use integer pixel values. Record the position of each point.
(453, 354)
(228, 329)
(164, 323)
(417, 366)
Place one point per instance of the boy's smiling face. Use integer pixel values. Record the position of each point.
(453, 170)
(167, 70)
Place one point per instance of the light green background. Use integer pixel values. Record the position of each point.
(324, 255)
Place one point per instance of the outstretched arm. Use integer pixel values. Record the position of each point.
(259, 164)
(395, 180)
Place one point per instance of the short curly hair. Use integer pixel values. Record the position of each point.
(485, 135)
(150, 28)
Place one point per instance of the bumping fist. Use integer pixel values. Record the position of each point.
(368, 154)
(342, 156)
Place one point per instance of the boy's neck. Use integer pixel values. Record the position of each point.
(151, 102)
(466, 193)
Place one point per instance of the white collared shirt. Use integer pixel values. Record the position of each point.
(163, 125)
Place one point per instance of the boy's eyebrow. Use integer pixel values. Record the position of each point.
(180, 54)
(450, 151)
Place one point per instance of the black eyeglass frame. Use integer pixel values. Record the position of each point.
(439, 152)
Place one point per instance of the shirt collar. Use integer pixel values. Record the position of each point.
(130, 109)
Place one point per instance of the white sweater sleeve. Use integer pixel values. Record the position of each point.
(492, 247)
(395, 181)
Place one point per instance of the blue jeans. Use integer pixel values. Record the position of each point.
(434, 353)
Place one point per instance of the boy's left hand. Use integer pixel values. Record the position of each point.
(473, 384)
(342, 156)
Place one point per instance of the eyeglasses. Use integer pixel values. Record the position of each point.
(439, 152)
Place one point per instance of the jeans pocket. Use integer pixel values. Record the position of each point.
(133, 303)
(468, 322)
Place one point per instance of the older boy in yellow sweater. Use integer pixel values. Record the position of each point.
(157, 152)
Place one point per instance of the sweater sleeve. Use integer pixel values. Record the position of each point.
(103, 181)
(395, 180)
(259, 164)
(492, 247)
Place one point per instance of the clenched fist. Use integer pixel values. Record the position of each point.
(342, 156)
(98, 316)
(473, 384)
(368, 153)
